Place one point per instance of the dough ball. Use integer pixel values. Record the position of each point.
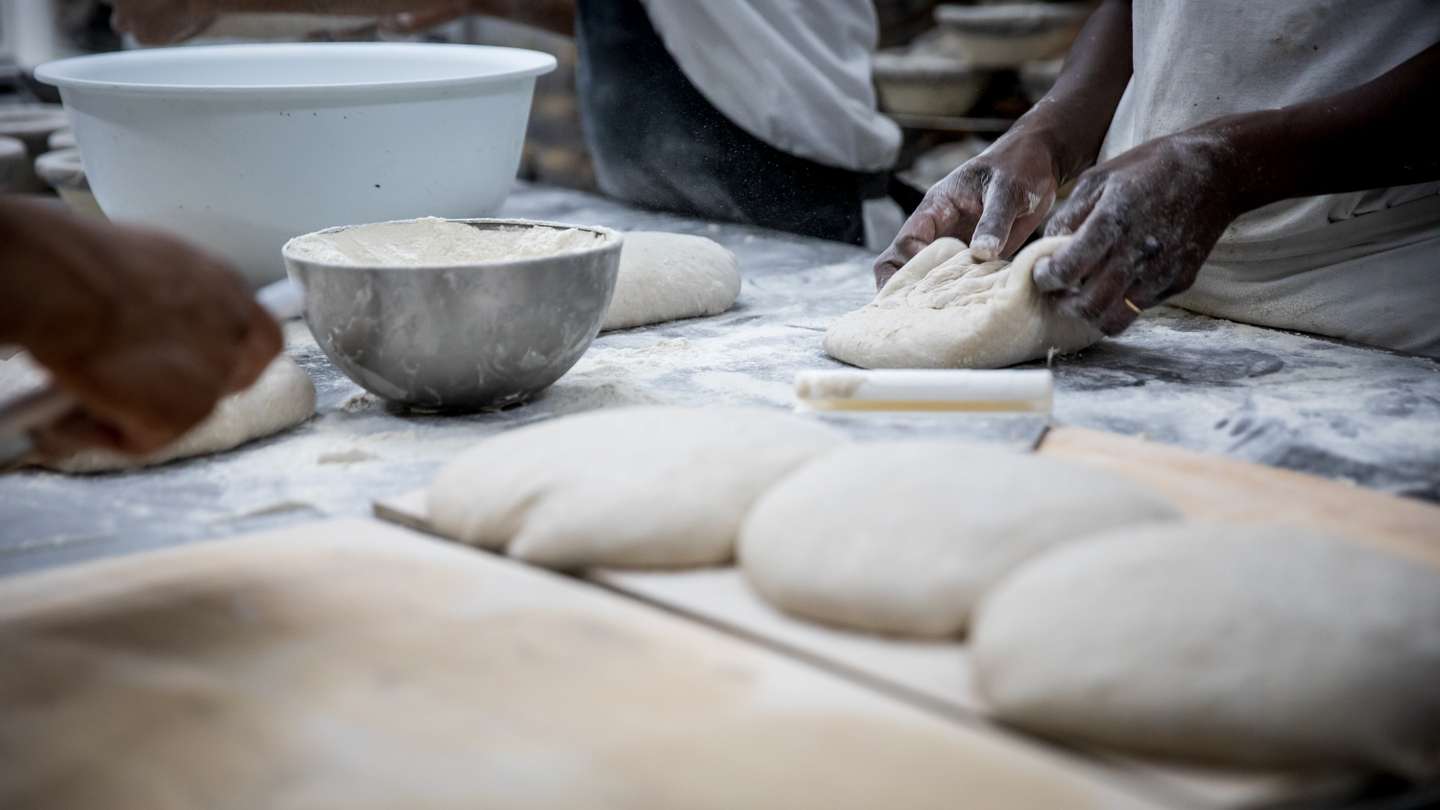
(628, 487)
(944, 309)
(668, 276)
(1240, 645)
(905, 537)
(283, 397)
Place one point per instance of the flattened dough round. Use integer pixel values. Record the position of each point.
(668, 276)
(905, 537)
(283, 397)
(627, 487)
(946, 310)
(1260, 645)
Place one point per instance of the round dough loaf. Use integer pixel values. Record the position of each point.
(904, 537)
(628, 487)
(1240, 645)
(668, 276)
(946, 310)
(281, 398)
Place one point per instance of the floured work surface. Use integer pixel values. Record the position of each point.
(350, 664)
(1287, 400)
(935, 674)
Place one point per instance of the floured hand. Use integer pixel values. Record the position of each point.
(1143, 224)
(993, 202)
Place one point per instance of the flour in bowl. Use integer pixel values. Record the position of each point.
(437, 242)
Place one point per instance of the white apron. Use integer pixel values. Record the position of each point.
(1363, 266)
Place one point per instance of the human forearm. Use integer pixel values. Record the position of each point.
(1073, 117)
(1382, 133)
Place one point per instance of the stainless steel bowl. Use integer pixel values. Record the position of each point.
(463, 338)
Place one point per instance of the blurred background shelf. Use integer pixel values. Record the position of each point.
(952, 123)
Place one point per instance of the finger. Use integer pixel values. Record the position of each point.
(75, 432)
(1072, 213)
(1120, 313)
(884, 271)
(1004, 202)
(1070, 266)
(950, 208)
(1027, 223)
(263, 341)
(1100, 292)
(154, 399)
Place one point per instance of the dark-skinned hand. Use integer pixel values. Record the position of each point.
(1143, 224)
(147, 332)
(993, 202)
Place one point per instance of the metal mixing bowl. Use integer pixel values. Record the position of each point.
(460, 338)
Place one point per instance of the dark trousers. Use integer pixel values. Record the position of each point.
(657, 142)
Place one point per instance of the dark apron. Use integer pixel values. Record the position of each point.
(657, 142)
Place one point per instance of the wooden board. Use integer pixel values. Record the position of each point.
(1217, 488)
(935, 675)
(359, 665)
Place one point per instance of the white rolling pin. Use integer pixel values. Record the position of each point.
(999, 391)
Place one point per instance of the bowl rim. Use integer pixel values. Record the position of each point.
(60, 72)
(612, 240)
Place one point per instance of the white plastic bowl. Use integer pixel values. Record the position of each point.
(241, 147)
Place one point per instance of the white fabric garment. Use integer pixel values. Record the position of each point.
(1280, 265)
(795, 75)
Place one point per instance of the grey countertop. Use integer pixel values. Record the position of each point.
(1362, 415)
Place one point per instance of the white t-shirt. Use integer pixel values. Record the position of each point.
(1363, 265)
(796, 75)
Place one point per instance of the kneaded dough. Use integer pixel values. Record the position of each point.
(946, 310)
(904, 537)
(628, 487)
(283, 397)
(668, 276)
(1260, 646)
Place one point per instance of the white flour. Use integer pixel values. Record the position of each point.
(437, 242)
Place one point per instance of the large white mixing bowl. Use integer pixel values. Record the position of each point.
(241, 147)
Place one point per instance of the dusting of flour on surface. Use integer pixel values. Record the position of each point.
(432, 241)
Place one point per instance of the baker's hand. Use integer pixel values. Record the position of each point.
(1143, 224)
(144, 330)
(993, 202)
(162, 22)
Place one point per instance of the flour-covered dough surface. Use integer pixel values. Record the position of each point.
(627, 487)
(433, 242)
(668, 276)
(283, 397)
(1264, 646)
(904, 537)
(946, 310)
